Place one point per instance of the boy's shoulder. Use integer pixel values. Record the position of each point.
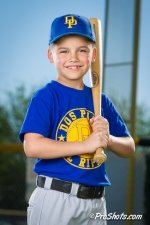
(46, 90)
(42, 95)
(107, 104)
(105, 99)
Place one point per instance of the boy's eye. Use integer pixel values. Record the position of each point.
(63, 51)
(84, 50)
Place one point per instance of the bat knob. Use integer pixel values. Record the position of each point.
(99, 157)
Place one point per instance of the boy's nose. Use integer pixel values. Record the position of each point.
(73, 57)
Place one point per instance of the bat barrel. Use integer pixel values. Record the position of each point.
(96, 78)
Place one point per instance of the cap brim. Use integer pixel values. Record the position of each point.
(71, 33)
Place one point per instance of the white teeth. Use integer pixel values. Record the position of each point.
(73, 67)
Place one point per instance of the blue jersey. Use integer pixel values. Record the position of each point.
(62, 113)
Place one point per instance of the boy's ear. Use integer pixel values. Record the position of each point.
(50, 55)
(94, 55)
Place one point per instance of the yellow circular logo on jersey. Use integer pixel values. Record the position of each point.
(73, 127)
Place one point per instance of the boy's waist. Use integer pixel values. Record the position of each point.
(63, 170)
(79, 190)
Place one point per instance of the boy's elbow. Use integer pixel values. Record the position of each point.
(29, 149)
(31, 144)
(132, 147)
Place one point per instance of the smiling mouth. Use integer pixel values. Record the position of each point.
(73, 67)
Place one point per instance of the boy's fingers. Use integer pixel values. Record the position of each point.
(100, 119)
(91, 120)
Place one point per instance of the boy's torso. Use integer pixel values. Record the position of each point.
(62, 113)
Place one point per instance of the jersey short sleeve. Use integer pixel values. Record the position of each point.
(38, 116)
(116, 124)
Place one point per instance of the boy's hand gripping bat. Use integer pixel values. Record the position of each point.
(96, 79)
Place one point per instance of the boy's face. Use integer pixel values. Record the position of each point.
(72, 56)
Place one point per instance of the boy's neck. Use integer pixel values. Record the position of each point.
(79, 85)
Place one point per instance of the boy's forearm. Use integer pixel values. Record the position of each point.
(122, 146)
(46, 148)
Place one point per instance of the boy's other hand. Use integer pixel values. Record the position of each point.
(99, 136)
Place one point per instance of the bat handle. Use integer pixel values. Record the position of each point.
(99, 156)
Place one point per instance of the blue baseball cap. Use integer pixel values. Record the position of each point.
(71, 24)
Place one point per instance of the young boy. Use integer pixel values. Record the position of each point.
(60, 130)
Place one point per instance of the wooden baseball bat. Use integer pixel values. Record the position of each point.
(96, 80)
